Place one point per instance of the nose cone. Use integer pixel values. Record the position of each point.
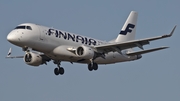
(12, 38)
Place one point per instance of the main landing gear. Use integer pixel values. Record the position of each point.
(92, 66)
(58, 70)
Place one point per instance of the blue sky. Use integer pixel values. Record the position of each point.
(155, 77)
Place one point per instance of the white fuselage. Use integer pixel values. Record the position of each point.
(55, 43)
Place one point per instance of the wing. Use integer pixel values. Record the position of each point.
(44, 57)
(9, 54)
(118, 46)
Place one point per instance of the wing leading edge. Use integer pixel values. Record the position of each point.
(118, 46)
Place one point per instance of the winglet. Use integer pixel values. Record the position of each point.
(9, 53)
(172, 31)
(169, 35)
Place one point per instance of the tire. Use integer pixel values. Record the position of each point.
(61, 71)
(95, 66)
(90, 68)
(56, 71)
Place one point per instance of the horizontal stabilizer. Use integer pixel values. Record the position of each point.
(145, 51)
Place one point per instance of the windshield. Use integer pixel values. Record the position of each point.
(24, 27)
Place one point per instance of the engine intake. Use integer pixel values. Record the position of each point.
(85, 52)
(33, 59)
(139, 56)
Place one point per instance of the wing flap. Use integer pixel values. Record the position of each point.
(122, 45)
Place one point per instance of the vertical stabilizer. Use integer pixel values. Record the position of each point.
(128, 31)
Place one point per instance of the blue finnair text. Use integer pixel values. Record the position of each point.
(72, 37)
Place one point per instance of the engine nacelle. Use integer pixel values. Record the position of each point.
(139, 56)
(33, 59)
(85, 52)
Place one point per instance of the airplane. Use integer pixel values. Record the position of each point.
(43, 44)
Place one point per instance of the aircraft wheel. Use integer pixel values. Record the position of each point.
(56, 71)
(95, 66)
(61, 71)
(90, 68)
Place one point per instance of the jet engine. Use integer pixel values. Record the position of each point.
(85, 52)
(33, 59)
(139, 56)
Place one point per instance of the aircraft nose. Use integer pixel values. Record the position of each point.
(9, 37)
(12, 37)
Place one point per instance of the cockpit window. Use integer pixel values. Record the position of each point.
(24, 27)
(29, 27)
(20, 27)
